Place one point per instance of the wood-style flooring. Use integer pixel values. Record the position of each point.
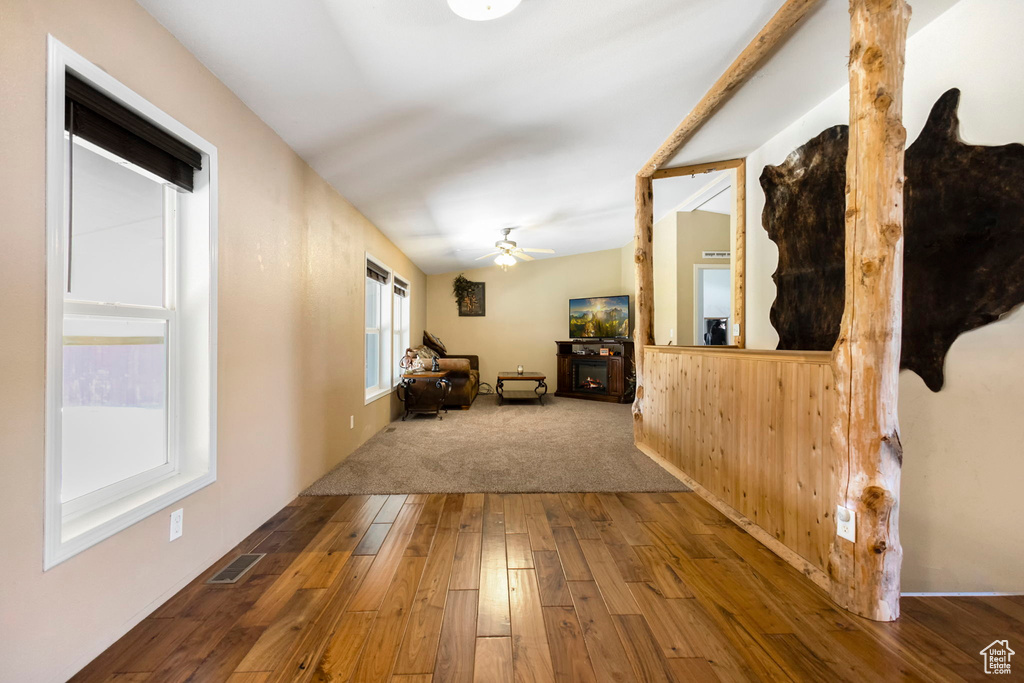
(534, 587)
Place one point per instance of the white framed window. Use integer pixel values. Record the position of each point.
(131, 307)
(400, 312)
(377, 345)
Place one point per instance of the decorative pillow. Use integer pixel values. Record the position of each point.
(425, 353)
(435, 344)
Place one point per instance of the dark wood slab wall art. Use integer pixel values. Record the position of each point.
(963, 241)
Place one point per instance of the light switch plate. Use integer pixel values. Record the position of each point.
(177, 522)
(735, 329)
(846, 523)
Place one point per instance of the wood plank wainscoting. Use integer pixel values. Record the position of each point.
(750, 431)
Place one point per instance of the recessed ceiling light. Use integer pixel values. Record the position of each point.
(482, 10)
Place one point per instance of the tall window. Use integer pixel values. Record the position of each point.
(400, 307)
(378, 330)
(119, 328)
(130, 308)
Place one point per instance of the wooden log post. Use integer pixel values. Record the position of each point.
(739, 258)
(643, 259)
(865, 574)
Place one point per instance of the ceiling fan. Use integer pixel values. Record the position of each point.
(508, 251)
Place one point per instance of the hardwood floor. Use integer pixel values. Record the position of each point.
(534, 587)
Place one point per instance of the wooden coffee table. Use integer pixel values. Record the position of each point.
(536, 393)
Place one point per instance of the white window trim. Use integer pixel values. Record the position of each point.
(68, 532)
(397, 353)
(385, 384)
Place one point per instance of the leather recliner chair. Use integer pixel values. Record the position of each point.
(464, 372)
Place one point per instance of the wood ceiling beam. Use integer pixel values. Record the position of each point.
(865, 573)
(696, 169)
(763, 44)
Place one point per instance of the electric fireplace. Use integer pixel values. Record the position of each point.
(590, 376)
(596, 370)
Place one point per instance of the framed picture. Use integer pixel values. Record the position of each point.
(474, 304)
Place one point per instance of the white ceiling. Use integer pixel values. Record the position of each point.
(705, 192)
(442, 131)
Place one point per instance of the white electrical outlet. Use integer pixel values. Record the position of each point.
(351, 421)
(846, 523)
(177, 521)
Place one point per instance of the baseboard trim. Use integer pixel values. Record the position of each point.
(791, 557)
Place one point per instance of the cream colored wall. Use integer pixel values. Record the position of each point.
(527, 309)
(666, 278)
(627, 277)
(699, 231)
(627, 281)
(290, 337)
(963, 461)
(681, 237)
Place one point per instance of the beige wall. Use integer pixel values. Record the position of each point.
(699, 231)
(627, 282)
(290, 333)
(527, 309)
(627, 277)
(666, 279)
(681, 237)
(963, 460)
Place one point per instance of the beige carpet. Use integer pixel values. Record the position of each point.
(564, 445)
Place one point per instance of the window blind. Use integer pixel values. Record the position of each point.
(93, 116)
(375, 272)
(401, 287)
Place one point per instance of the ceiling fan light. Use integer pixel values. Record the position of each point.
(505, 260)
(482, 10)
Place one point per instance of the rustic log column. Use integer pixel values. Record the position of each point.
(739, 258)
(865, 574)
(643, 331)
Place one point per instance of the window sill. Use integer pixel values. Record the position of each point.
(88, 528)
(380, 393)
(87, 504)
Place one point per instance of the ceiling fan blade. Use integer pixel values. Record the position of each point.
(539, 251)
(525, 257)
(480, 258)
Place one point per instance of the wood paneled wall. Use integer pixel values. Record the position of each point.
(752, 428)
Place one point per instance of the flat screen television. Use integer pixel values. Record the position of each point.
(599, 317)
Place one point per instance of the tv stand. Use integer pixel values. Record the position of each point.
(584, 373)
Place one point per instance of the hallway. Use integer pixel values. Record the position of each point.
(533, 587)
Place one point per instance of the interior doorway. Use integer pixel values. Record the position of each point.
(712, 305)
